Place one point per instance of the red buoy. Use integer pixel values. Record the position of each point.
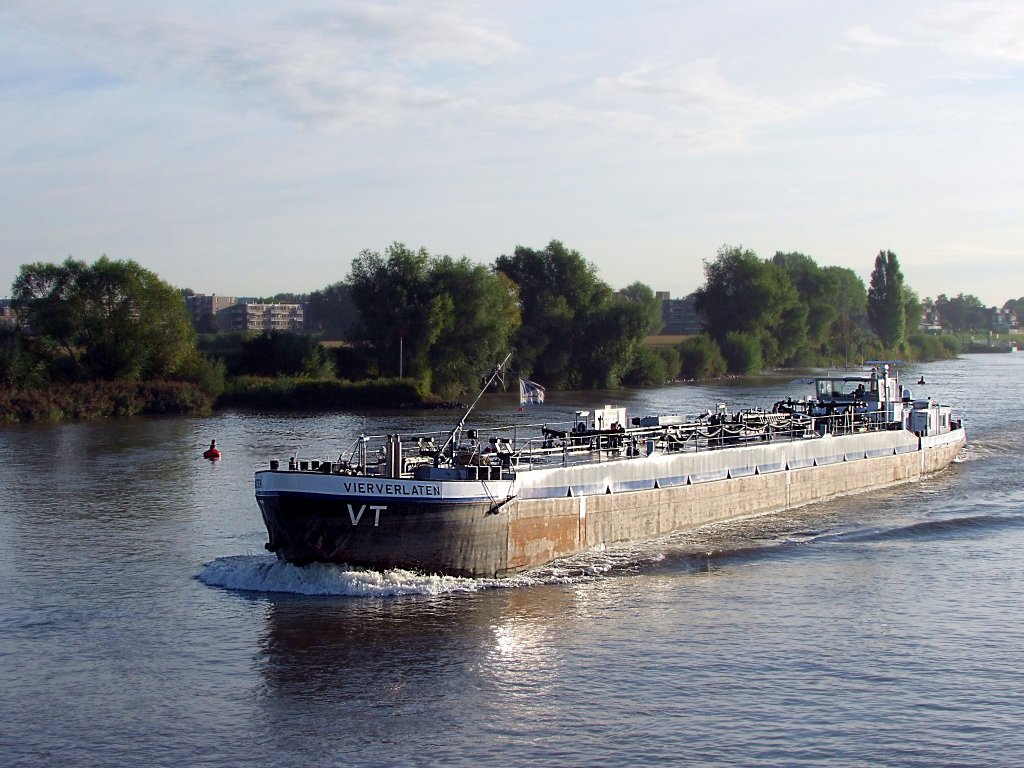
(212, 453)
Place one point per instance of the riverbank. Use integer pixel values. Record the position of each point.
(104, 399)
(299, 394)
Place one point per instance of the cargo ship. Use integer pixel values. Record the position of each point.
(466, 502)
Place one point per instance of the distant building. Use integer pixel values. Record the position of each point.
(261, 317)
(679, 316)
(202, 306)
(6, 313)
(930, 320)
(1003, 320)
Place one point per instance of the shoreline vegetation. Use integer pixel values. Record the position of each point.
(283, 393)
(73, 401)
(409, 329)
(105, 399)
(97, 399)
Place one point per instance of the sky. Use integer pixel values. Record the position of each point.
(250, 148)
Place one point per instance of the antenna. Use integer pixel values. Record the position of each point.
(462, 422)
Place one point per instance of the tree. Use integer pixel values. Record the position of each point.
(751, 296)
(449, 320)
(113, 319)
(575, 332)
(643, 294)
(332, 311)
(392, 292)
(283, 353)
(817, 289)
(556, 286)
(479, 315)
(22, 362)
(847, 333)
(701, 358)
(963, 312)
(886, 310)
(913, 310)
(610, 334)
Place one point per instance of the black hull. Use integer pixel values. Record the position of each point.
(458, 539)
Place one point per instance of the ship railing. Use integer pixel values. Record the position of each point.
(558, 443)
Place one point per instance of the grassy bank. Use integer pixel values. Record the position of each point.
(101, 399)
(300, 394)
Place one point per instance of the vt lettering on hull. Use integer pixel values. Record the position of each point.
(355, 517)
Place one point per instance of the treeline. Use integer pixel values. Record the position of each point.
(433, 324)
(965, 313)
(789, 312)
(429, 326)
(444, 322)
(110, 338)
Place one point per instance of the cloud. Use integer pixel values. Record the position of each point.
(696, 103)
(412, 31)
(985, 30)
(354, 62)
(868, 36)
(692, 101)
(970, 40)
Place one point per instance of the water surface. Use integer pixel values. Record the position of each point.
(142, 622)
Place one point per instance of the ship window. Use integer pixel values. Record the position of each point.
(833, 388)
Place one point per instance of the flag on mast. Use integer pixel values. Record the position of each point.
(530, 393)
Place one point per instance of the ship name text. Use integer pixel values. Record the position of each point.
(372, 488)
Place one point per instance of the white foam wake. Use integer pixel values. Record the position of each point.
(265, 573)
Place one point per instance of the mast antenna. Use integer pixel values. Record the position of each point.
(462, 422)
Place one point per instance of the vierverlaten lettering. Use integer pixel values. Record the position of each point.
(391, 489)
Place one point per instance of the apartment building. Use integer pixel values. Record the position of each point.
(679, 316)
(261, 317)
(202, 305)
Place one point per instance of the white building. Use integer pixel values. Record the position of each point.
(261, 317)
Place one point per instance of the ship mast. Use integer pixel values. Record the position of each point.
(462, 422)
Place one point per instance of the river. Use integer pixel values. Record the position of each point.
(143, 623)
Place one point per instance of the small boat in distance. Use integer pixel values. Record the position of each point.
(467, 503)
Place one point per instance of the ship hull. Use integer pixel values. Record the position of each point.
(498, 528)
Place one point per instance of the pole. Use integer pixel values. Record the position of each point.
(458, 427)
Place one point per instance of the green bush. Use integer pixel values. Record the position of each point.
(646, 368)
(672, 360)
(355, 362)
(290, 394)
(924, 346)
(700, 358)
(951, 343)
(209, 374)
(101, 399)
(283, 353)
(22, 359)
(742, 353)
